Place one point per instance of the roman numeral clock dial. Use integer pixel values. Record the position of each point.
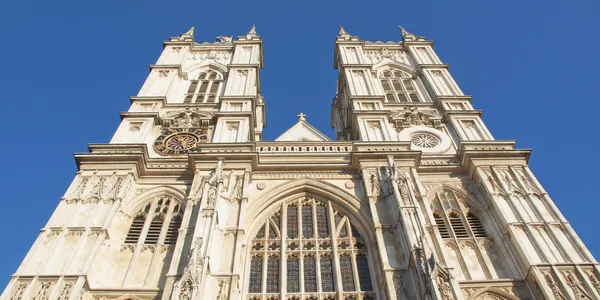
(180, 141)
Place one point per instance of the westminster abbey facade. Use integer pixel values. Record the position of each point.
(414, 199)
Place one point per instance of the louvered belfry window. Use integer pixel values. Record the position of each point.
(398, 87)
(295, 248)
(205, 89)
(147, 226)
(448, 211)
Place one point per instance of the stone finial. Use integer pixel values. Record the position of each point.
(301, 117)
(252, 31)
(343, 31)
(407, 36)
(190, 31)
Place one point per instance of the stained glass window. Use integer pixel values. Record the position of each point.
(273, 275)
(307, 221)
(293, 274)
(363, 273)
(347, 273)
(310, 274)
(322, 221)
(326, 274)
(292, 222)
(309, 261)
(256, 274)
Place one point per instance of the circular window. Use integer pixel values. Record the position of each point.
(424, 140)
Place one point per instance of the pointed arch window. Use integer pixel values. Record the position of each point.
(305, 256)
(205, 89)
(157, 223)
(399, 87)
(460, 227)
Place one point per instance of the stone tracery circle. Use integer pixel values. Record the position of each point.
(424, 140)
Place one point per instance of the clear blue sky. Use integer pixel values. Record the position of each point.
(69, 69)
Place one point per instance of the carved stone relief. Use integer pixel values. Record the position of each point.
(412, 116)
(190, 118)
(216, 56)
(100, 188)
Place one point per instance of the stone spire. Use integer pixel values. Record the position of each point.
(252, 31)
(186, 36)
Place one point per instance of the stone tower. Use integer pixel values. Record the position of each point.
(415, 199)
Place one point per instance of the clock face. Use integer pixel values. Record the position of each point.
(180, 141)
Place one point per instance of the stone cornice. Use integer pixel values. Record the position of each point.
(473, 154)
(152, 115)
(273, 156)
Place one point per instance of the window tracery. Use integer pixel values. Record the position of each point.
(156, 213)
(399, 87)
(205, 89)
(302, 257)
(476, 256)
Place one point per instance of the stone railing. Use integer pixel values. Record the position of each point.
(303, 147)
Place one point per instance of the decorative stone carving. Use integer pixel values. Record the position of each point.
(95, 188)
(197, 189)
(223, 290)
(214, 180)
(192, 272)
(556, 293)
(403, 188)
(237, 191)
(261, 186)
(595, 282)
(377, 56)
(443, 283)
(375, 186)
(577, 288)
(65, 292)
(20, 290)
(412, 116)
(493, 182)
(216, 56)
(189, 118)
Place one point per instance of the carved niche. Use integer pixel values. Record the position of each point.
(412, 116)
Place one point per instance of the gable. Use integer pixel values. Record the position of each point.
(302, 131)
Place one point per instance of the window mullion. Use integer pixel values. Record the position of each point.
(335, 255)
(354, 252)
(166, 222)
(198, 87)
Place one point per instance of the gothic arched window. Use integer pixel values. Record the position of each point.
(205, 89)
(308, 247)
(460, 228)
(157, 223)
(399, 87)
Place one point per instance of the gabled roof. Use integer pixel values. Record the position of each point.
(302, 131)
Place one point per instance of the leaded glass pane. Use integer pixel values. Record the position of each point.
(307, 221)
(272, 232)
(261, 233)
(354, 232)
(326, 274)
(344, 231)
(256, 275)
(273, 275)
(293, 275)
(322, 226)
(292, 222)
(347, 274)
(363, 273)
(310, 274)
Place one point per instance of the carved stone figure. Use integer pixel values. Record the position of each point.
(412, 116)
(403, 187)
(375, 186)
(443, 282)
